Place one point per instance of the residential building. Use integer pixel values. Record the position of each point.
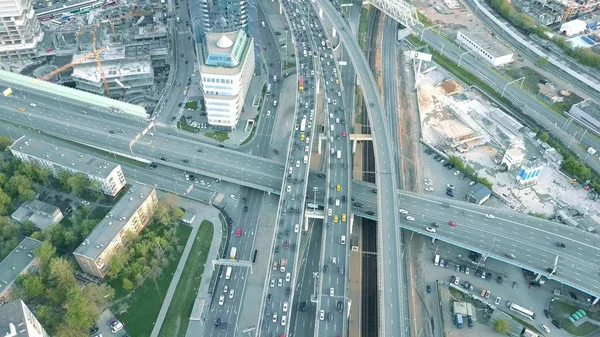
(109, 175)
(20, 261)
(587, 113)
(486, 47)
(16, 320)
(479, 194)
(512, 157)
(224, 16)
(125, 72)
(226, 70)
(130, 215)
(40, 213)
(21, 31)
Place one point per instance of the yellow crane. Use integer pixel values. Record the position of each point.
(96, 53)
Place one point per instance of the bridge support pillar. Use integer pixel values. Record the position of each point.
(596, 300)
(320, 13)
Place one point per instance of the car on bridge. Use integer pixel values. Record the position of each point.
(335, 218)
(452, 223)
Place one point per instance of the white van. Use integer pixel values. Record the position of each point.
(343, 239)
(275, 103)
(331, 127)
(328, 100)
(228, 273)
(339, 154)
(305, 159)
(410, 218)
(262, 24)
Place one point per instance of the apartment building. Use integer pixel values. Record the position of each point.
(20, 30)
(109, 175)
(16, 320)
(131, 214)
(223, 16)
(226, 71)
(20, 261)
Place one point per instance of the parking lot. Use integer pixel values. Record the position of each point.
(104, 328)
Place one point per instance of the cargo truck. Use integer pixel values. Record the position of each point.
(459, 321)
(283, 264)
(7, 92)
(233, 253)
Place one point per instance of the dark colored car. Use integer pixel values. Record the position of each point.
(557, 324)
(449, 193)
(303, 306)
(288, 291)
(325, 268)
(217, 321)
(93, 330)
(370, 212)
(573, 296)
(245, 209)
(321, 175)
(358, 204)
(547, 313)
(561, 245)
(428, 288)
(470, 321)
(344, 198)
(499, 280)
(164, 159)
(340, 306)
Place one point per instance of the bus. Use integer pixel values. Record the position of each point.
(301, 86)
(525, 312)
(303, 124)
(228, 273)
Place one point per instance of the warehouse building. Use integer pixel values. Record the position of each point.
(486, 47)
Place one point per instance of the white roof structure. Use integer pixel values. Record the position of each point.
(573, 27)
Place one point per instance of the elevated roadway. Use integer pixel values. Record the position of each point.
(266, 175)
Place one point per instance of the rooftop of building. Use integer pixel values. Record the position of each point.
(224, 53)
(75, 160)
(120, 71)
(490, 44)
(38, 212)
(13, 318)
(589, 107)
(480, 191)
(109, 227)
(17, 261)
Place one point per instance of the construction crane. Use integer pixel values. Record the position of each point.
(78, 60)
(568, 10)
(96, 53)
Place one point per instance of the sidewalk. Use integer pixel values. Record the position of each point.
(203, 212)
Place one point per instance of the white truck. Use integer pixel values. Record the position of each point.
(7, 92)
(339, 154)
(233, 253)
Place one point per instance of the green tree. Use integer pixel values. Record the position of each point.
(9, 234)
(78, 183)
(78, 316)
(48, 316)
(5, 202)
(98, 297)
(4, 142)
(501, 326)
(544, 137)
(28, 227)
(63, 177)
(33, 286)
(542, 61)
(61, 278)
(45, 253)
(21, 187)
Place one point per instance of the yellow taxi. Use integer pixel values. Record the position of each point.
(301, 136)
(21, 109)
(344, 217)
(338, 187)
(335, 218)
(337, 81)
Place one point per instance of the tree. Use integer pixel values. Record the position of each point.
(33, 286)
(544, 137)
(5, 202)
(501, 326)
(28, 227)
(78, 183)
(63, 177)
(21, 187)
(44, 253)
(542, 61)
(79, 316)
(4, 142)
(62, 280)
(9, 234)
(47, 316)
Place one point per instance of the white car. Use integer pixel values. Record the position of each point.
(457, 172)
(297, 163)
(428, 183)
(306, 149)
(285, 306)
(309, 125)
(268, 113)
(429, 189)
(231, 293)
(225, 289)
(232, 196)
(430, 230)
(402, 211)
(329, 212)
(221, 299)
(498, 300)
(296, 228)
(280, 282)
(288, 277)
(322, 315)
(490, 216)
(275, 318)
(467, 271)
(343, 239)
(331, 291)
(289, 188)
(334, 102)
(312, 72)
(543, 326)
(457, 280)
(283, 320)
(272, 283)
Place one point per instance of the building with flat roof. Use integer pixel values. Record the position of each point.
(479, 194)
(226, 70)
(43, 215)
(587, 113)
(131, 214)
(16, 320)
(21, 31)
(488, 48)
(55, 158)
(124, 73)
(20, 261)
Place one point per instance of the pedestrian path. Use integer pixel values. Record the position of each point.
(203, 212)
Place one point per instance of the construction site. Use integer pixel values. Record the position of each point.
(111, 48)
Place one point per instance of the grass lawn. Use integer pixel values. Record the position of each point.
(183, 125)
(139, 308)
(177, 318)
(561, 311)
(220, 136)
(191, 105)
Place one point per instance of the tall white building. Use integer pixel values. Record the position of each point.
(227, 67)
(20, 30)
(16, 320)
(109, 175)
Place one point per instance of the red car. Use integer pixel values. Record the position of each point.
(238, 233)
(343, 133)
(286, 244)
(452, 223)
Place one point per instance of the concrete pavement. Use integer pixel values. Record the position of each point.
(201, 214)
